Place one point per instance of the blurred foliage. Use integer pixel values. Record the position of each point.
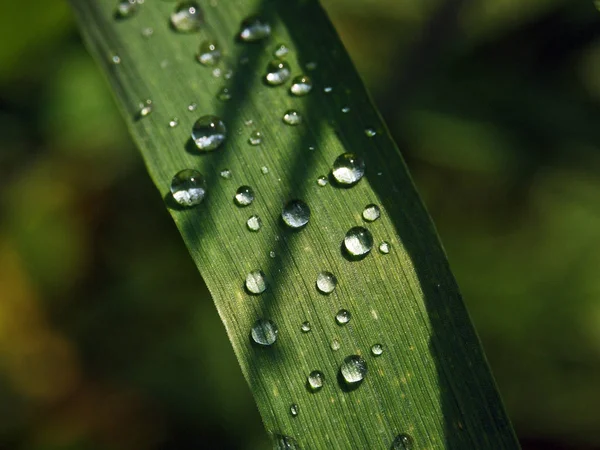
(496, 106)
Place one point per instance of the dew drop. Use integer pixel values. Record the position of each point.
(371, 212)
(370, 132)
(244, 196)
(345, 109)
(343, 317)
(173, 122)
(316, 380)
(126, 8)
(348, 169)
(225, 173)
(209, 53)
(272, 254)
(208, 133)
(294, 410)
(188, 187)
(254, 29)
(322, 181)
(326, 282)
(255, 138)
(216, 72)
(292, 117)
(301, 85)
(192, 107)
(264, 332)
(278, 72)
(311, 65)
(384, 247)
(145, 109)
(256, 282)
(335, 345)
(224, 94)
(147, 32)
(305, 327)
(353, 369)
(187, 17)
(327, 89)
(282, 442)
(295, 214)
(264, 170)
(115, 59)
(377, 349)
(358, 241)
(280, 51)
(254, 223)
(402, 442)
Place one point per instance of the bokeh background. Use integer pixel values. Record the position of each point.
(108, 337)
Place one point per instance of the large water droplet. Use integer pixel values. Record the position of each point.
(326, 282)
(348, 169)
(280, 51)
(145, 109)
(296, 214)
(244, 196)
(384, 247)
(343, 317)
(209, 133)
(126, 8)
(301, 85)
(282, 442)
(254, 29)
(255, 138)
(371, 212)
(377, 349)
(305, 327)
(353, 369)
(316, 380)
(209, 53)
(226, 173)
(256, 282)
(278, 72)
(402, 442)
(187, 17)
(294, 410)
(322, 181)
(254, 223)
(188, 187)
(358, 241)
(264, 332)
(292, 117)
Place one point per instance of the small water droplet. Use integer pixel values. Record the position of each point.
(244, 196)
(384, 247)
(188, 187)
(254, 223)
(301, 85)
(248, 122)
(216, 72)
(264, 170)
(145, 109)
(115, 59)
(272, 254)
(278, 72)
(254, 29)
(224, 94)
(335, 345)
(264, 332)
(209, 53)
(370, 132)
(280, 51)
(125, 9)
(147, 32)
(377, 349)
(255, 138)
(371, 212)
(173, 122)
(343, 317)
(292, 117)
(327, 89)
(228, 74)
(187, 17)
(208, 133)
(226, 173)
(316, 380)
(322, 181)
(256, 282)
(305, 327)
(345, 109)
(311, 148)
(192, 107)
(358, 241)
(282, 442)
(296, 214)
(402, 442)
(326, 282)
(311, 65)
(294, 410)
(353, 369)
(348, 169)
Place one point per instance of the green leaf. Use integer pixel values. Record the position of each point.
(432, 380)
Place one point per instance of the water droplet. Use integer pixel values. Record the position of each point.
(147, 32)
(348, 169)
(188, 187)
(296, 214)
(343, 317)
(335, 345)
(254, 29)
(371, 212)
(311, 65)
(173, 122)
(254, 223)
(345, 109)
(301, 85)
(358, 241)
(115, 59)
(316, 380)
(125, 9)
(145, 109)
(311, 148)
(305, 327)
(282, 442)
(326, 282)
(224, 94)
(264, 332)
(244, 196)
(228, 74)
(208, 133)
(255, 138)
(216, 72)
(294, 410)
(370, 132)
(384, 247)
(209, 53)
(377, 349)
(256, 282)
(278, 72)
(187, 17)
(322, 181)
(272, 254)
(248, 122)
(402, 442)
(280, 51)
(292, 117)
(353, 369)
(264, 170)
(192, 107)
(327, 89)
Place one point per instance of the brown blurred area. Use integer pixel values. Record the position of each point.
(108, 337)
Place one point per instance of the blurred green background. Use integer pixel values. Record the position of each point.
(108, 337)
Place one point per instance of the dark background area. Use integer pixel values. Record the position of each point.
(108, 337)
